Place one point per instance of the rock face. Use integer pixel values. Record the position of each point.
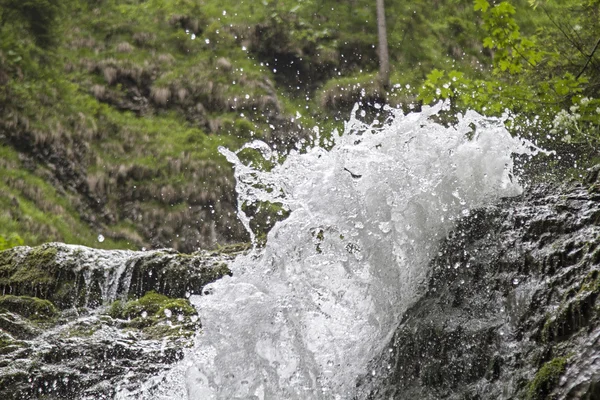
(81, 323)
(511, 308)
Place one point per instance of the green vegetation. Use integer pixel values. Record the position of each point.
(547, 79)
(546, 379)
(157, 315)
(12, 240)
(112, 112)
(29, 307)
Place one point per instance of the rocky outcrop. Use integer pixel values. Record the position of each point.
(511, 308)
(81, 323)
(77, 276)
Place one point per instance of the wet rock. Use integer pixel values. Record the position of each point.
(100, 320)
(511, 307)
(76, 276)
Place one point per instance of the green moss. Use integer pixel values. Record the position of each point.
(546, 379)
(157, 316)
(116, 309)
(150, 303)
(29, 307)
(177, 307)
(156, 306)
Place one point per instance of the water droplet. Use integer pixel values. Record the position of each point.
(100, 238)
(515, 281)
(207, 41)
(385, 227)
(144, 314)
(168, 313)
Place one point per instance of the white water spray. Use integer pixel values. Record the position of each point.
(301, 319)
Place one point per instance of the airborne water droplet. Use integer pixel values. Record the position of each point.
(101, 238)
(293, 320)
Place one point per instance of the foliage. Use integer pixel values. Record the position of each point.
(12, 240)
(39, 17)
(548, 80)
(139, 95)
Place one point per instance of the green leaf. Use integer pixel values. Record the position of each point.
(435, 75)
(482, 5)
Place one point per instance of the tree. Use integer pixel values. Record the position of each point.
(548, 81)
(384, 58)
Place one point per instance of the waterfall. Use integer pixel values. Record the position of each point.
(301, 317)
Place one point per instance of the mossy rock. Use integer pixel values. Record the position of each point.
(546, 379)
(29, 307)
(17, 326)
(38, 261)
(35, 272)
(157, 316)
(76, 276)
(152, 305)
(177, 307)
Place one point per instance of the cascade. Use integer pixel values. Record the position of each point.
(301, 317)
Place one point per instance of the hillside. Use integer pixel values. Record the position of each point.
(112, 112)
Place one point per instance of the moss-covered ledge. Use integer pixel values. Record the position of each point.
(75, 276)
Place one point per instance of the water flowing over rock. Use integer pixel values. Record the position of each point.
(410, 267)
(302, 318)
(81, 323)
(512, 308)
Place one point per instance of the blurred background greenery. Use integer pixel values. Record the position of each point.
(111, 112)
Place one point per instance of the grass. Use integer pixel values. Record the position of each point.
(143, 93)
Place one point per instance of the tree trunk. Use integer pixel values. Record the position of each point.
(384, 58)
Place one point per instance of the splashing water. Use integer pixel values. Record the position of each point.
(301, 318)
